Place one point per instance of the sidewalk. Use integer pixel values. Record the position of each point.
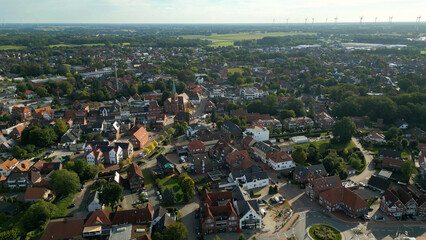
(290, 222)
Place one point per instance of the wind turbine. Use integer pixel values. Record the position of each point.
(287, 20)
(390, 19)
(375, 20)
(313, 19)
(326, 20)
(335, 20)
(360, 19)
(306, 20)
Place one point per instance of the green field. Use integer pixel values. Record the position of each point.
(234, 70)
(223, 40)
(324, 145)
(11, 47)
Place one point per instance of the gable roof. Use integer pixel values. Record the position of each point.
(389, 153)
(34, 193)
(344, 195)
(379, 182)
(9, 164)
(325, 183)
(239, 160)
(133, 171)
(196, 145)
(279, 157)
(97, 218)
(133, 216)
(251, 173)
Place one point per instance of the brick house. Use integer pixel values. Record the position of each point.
(323, 120)
(308, 174)
(321, 184)
(299, 122)
(196, 147)
(21, 113)
(140, 138)
(343, 199)
(391, 205)
(135, 177)
(238, 160)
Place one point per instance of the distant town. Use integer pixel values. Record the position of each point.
(242, 132)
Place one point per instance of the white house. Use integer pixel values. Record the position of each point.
(94, 203)
(115, 155)
(247, 210)
(7, 166)
(258, 132)
(299, 139)
(250, 178)
(280, 161)
(250, 93)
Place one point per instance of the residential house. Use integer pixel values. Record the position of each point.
(375, 137)
(63, 229)
(17, 131)
(261, 149)
(202, 163)
(250, 178)
(415, 134)
(391, 205)
(323, 120)
(135, 177)
(280, 161)
(21, 113)
(209, 106)
(163, 168)
(258, 132)
(196, 147)
(231, 128)
(251, 93)
(321, 184)
(238, 160)
(379, 183)
(274, 123)
(37, 193)
(140, 138)
(298, 123)
(127, 148)
(7, 166)
(218, 212)
(247, 209)
(70, 137)
(391, 159)
(93, 202)
(29, 94)
(404, 201)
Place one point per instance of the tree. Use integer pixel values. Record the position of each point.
(187, 186)
(169, 196)
(175, 231)
(186, 76)
(287, 114)
(393, 133)
(38, 214)
(157, 236)
(64, 182)
(155, 143)
(161, 138)
(356, 163)
(299, 155)
(297, 106)
(171, 131)
(111, 194)
(60, 127)
(146, 150)
(42, 92)
(241, 237)
(408, 168)
(343, 130)
(151, 146)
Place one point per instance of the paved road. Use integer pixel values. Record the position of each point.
(369, 170)
(81, 201)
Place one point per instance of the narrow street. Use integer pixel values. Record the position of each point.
(369, 170)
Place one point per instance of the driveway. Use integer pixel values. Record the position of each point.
(187, 212)
(81, 201)
(369, 170)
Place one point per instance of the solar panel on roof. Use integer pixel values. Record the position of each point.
(332, 180)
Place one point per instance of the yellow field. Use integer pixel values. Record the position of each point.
(423, 52)
(223, 40)
(234, 70)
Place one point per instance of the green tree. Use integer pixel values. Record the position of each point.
(111, 194)
(157, 236)
(42, 92)
(171, 131)
(175, 231)
(64, 182)
(37, 215)
(155, 143)
(356, 163)
(241, 237)
(393, 133)
(408, 168)
(60, 127)
(297, 106)
(187, 188)
(343, 130)
(287, 114)
(169, 196)
(299, 155)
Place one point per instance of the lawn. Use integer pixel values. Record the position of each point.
(62, 206)
(147, 177)
(11, 47)
(223, 40)
(234, 70)
(172, 183)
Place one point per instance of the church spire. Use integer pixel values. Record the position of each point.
(174, 88)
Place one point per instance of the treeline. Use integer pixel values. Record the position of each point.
(44, 39)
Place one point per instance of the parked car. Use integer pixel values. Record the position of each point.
(362, 184)
(158, 193)
(366, 217)
(378, 218)
(160, 197)
(370, 209)
(71, 205)
(136, 202)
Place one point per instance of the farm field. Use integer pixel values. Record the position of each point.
(224, 40)
(11, 47)
(83, 45)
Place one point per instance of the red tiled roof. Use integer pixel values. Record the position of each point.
(196, 145)
(34, 193)
(239, 160)
(279, 156)
(325, 183)
(64, 229)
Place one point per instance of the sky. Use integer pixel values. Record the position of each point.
(208, 11)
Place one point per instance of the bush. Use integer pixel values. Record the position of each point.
(323, 232)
